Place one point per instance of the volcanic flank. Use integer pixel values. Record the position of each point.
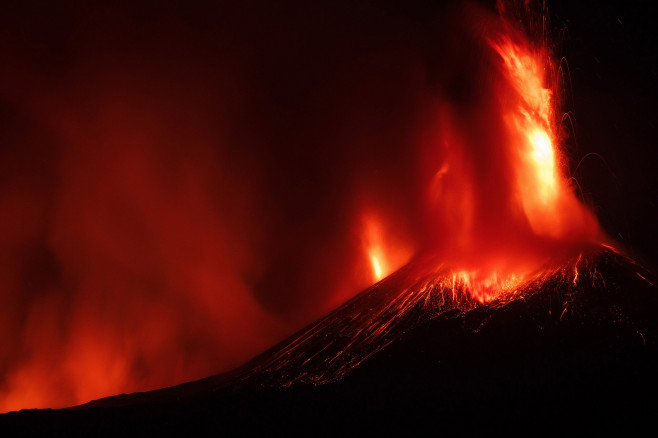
(422, 294)
(574, 346)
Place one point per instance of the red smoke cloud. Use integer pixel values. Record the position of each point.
(183, 187)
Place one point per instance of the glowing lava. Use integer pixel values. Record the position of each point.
(373, 247)
(502, 204)
(487, 288)
(384, 255)
(376, 266)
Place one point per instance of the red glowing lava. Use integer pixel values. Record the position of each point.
(548, 202)
(384, 254)
(501, 200)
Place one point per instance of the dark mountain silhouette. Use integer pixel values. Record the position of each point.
(564, 351)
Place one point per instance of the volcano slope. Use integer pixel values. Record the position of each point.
(573, 347)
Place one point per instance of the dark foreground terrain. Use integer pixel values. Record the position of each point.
(569, 353)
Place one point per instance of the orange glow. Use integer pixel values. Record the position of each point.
(530, 126)
(383, 253)
(489, 287)
(376, 266)
(547, 200)
(544, 161)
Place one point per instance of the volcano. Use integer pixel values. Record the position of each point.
(573, 346)
(184, 187)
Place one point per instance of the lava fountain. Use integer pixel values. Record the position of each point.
(504, 221)
(500, 196)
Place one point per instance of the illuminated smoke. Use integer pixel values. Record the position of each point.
(499, 195)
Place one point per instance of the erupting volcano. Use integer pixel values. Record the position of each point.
(194, 220)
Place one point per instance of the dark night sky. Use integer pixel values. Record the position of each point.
(611, 49)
